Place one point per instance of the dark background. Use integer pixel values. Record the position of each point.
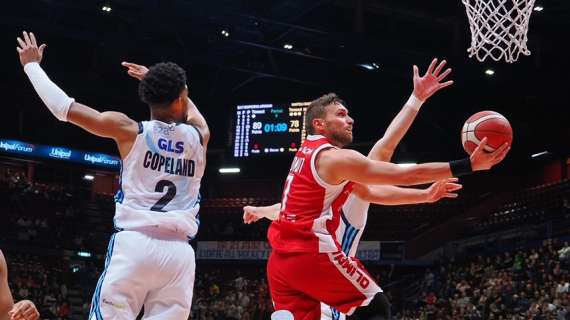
(329, 38)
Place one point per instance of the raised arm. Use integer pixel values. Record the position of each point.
(337, 165)
(424, 87)
(194, 118)
(113, 125)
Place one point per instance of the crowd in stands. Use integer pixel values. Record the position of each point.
(224, 293)
(522, 284)
(531, 284)
(44, 281)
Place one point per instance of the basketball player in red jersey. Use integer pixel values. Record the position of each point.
(307, 264)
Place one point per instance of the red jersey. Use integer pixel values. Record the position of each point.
(310, 207)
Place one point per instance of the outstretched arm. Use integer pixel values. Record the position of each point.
(252, 213)
(392, 195)
(6, 301)
(337, 165)
(384, 195)
(194, 118)
(424, 87)
(113, 125)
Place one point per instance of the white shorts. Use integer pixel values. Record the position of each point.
(143, 270)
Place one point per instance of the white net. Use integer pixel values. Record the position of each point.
(498, 28)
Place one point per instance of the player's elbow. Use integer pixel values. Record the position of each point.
(363, 192)
(206, 134)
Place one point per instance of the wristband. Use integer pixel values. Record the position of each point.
(460, 167)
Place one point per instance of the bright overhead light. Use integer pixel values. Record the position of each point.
(407, 164)
(229, 170)
(88, 177)
(536, 155)
(106, 8)
(288, 46)
(369, 66)
(489, 72)
(538, 8)
(84, 254)
(225, 33)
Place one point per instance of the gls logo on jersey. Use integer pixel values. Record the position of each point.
(167, 145)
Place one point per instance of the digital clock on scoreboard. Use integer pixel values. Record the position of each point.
(262, 129)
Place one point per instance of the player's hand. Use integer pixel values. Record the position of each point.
(28, 49)
(24, 310)
(251, 214)
(431, 82)
(484, 160)
(134, 70)
(443, 189)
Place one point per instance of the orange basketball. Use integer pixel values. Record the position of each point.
(488, 124)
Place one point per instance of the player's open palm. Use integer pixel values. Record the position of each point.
(483, 160)
(443, 189)
(431, 82)
(28, 49)
(134, 70)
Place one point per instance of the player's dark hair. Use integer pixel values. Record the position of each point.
(317, 109)
(162, 84)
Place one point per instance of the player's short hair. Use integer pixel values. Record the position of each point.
(162, 84)
(317, 109)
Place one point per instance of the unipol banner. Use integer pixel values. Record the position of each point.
(233, 250)
(60, 153)
(368, 251)
(260, 250)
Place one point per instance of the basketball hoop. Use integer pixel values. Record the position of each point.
(498, 28)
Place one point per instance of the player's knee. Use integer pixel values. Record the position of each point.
(378, 309)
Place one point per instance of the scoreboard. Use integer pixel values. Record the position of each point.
(265, 129)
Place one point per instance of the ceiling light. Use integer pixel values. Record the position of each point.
(536, 155)
(229, 170)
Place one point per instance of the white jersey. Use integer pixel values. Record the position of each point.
(354, 215)
(160, 180)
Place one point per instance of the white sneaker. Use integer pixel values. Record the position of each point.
(282, 315)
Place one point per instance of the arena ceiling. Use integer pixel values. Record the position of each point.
(329, 40)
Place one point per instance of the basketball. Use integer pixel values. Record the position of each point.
(490, 124)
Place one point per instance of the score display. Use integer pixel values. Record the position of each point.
(262, 129)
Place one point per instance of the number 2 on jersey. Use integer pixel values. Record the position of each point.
(170, 193)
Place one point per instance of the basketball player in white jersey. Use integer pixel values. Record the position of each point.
(355, 209)
(22, 310)
(149, 261)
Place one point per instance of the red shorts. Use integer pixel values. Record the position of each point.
(299, 282)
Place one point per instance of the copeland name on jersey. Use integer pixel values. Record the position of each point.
(160, 180)
(158, 162)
